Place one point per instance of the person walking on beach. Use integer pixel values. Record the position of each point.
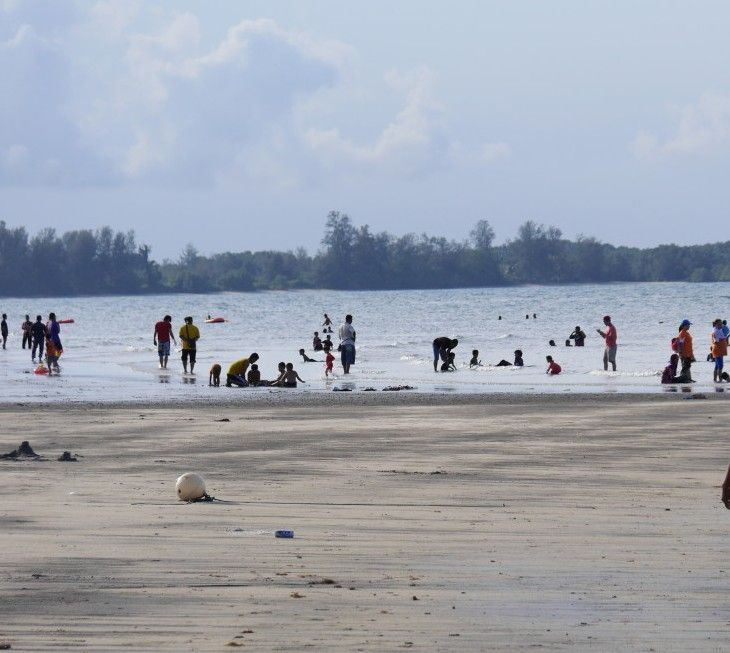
(719, 349)
(685, 350)
(189, 336)
(4, 329)
(347, 344)
(441, 349)
(38, 333)
(161, 339)
(25, 328)
(610, 335)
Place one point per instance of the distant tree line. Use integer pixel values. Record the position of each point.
(86, 262)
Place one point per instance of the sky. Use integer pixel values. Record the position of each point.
(238, 125)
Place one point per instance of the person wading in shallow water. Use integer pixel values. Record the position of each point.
(441, 349)
(610, 335)
(347, 344)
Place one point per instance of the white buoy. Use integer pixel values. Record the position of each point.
(190, 486)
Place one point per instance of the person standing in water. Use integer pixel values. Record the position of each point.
(4, 329)
(610, 335)
(53, 329)
(441, 349)
(38, 332)
(685, 350)
(579, 336)
(719, 349)
(161, 339)
(189, 336)
(347, 344)
(25, 328)
(327, 324)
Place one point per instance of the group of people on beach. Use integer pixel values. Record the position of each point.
(44, 338)
(443, 347)
(38, 337)
(245, 371)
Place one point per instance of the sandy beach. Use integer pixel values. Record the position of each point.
(430, 523)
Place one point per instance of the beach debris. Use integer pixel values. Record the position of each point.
(405, 471)
(297, 595)
(284, 533)
(397, 388)
(697, 396)
(67, 457)
(4, 646)
(336, 389)
(369, 390)
(190, 487)
(222, 419)
(23, 451)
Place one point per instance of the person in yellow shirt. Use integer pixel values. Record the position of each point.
(685, 350)
(189, 336)
(237, 371)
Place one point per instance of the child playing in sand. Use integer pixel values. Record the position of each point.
(329, 361)
(553, 368)
(449, 365)
(254, 375)
(289, 378)
(475, 362)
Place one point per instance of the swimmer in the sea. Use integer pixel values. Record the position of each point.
(306, 358)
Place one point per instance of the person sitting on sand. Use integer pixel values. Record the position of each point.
(441, 349)
(281, 368)
(669, 375)
(237, 371)
(449, 365)
(518, 358)
(579, 336)
(553, 369)
(306, 358)
(254, 375)
(317, 342)
(475, 362)
(289, 378)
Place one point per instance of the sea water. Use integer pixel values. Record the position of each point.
(109, 354)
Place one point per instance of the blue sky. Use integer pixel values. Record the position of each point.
(239, 125)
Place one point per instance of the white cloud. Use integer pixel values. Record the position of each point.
(701, 128)
(118, 93)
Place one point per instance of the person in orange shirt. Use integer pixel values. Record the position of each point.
(685, 350)
(719, 349)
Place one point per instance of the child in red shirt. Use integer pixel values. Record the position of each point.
(553, 367)
(329, 361)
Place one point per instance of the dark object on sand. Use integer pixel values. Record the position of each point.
(341, 389)
(397, 388)
(23, 451)
(284, 533)
(369, 390)
(67, 457)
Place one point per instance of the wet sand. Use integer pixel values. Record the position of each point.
(506, 523)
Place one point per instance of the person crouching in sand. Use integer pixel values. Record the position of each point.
(214, 376)
(449, 365)
(475, 362)
(237, 371)
(553, 368)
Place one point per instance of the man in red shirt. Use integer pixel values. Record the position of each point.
(610, 335)
(161, 339)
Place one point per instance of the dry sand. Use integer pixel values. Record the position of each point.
(498, 524)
